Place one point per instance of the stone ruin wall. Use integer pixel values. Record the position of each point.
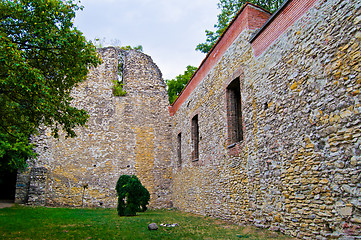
(298, 169)
(124, 135)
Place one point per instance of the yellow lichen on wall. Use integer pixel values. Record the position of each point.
(144, 156)
(124, 135)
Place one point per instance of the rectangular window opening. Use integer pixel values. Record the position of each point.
(179, 149)
(195, 138)
(234, 112)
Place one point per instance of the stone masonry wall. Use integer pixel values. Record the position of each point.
(298, 169)
(124, 135)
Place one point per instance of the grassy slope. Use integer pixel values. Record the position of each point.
(63, 223)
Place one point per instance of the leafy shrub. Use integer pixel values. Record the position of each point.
(118, 89)
(133, 197)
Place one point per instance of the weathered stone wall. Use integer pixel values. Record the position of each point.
(124, 135)
(298, 168)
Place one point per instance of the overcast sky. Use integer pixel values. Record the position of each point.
(168, 30)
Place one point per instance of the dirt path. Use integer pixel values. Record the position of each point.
(6, 204)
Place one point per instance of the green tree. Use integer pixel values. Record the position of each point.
(133, 197)
(229, 9)
(176, 85)
(42, 57)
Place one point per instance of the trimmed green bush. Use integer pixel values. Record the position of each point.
(133, 197)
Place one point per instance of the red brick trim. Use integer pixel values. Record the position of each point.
(195, 112)
(286, 16)
(238, 73)
(235, 150)
(249, 17)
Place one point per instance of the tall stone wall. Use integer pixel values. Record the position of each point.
(124, 135)
(298, 167)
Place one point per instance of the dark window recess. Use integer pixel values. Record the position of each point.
(195, 138)
(234, 112)
(7, 184)
(265, 106)
(179, 149)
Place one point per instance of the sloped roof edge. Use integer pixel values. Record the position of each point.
(212, 51)
(274, 15)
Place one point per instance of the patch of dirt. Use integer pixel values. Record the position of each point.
(6, 204)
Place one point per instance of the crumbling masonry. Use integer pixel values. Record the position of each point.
(267, 132)
(124, 135)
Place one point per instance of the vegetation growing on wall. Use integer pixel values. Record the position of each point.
(133, 197)
(42, 57)
(118, 83)
(139, 48)
(117, 88)
(103, 42)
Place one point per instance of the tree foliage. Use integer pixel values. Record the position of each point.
(133, 197)
(176, 85)
(42, 57)
(229, 9)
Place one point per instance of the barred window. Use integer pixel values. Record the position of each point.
(179, 149)
(195, 138)
(234, 112)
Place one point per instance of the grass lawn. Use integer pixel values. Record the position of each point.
(65, 223)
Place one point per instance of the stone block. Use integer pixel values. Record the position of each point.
(345, 211)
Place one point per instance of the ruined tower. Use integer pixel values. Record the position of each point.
(127, 134)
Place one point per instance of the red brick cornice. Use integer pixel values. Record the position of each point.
(249, 17)
(281, 20)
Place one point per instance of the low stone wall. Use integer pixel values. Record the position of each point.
(298, 169)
